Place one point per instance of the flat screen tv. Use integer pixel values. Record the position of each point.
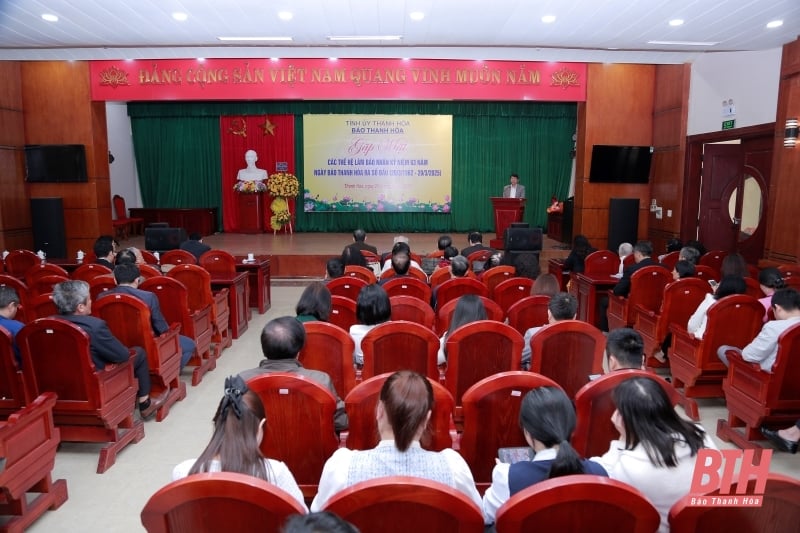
(55, 163)
(620, 164)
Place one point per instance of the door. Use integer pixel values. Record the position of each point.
(721, 177)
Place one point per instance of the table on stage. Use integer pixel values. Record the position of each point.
(258, 272)
(237, 299)
(588, 289)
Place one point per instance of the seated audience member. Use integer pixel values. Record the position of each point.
(526, 265)
(281, 341)
(624, 349)
(699, 319)
(321, 522)
(448, 254)
(770, 279)
(195, 245)
(469, 308)
(128, 278)
(580, 249)
(475, 240)
(74, 304)
(239, 426)
(441, 245)
(623, 250)
(690, 254)
(697, 245)
(674, 245)
(359, 241)
(459, 266)
(657, 449)
(683, 269)
(764, 348)
(314, 303)
(562, 306)
(734, 265)
(546, 285)
(785, 440)
(402, 413)
(352, 256)
(397, 239)
(334, 268)
(547, 419)
(104, 250)
(125, 256)
(399, 246)
(399, 264)
(9, 303)
(642, 251)
(372, 308)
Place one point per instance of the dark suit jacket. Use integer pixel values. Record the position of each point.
(157, 319)
(623, 286)
(364, 246)
(104, 346)
(196, 248)
(105, 263)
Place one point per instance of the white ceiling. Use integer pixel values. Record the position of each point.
(584, 30)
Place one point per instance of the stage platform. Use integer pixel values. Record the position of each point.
(303, 255)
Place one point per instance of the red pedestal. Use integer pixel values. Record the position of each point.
(251, 213)
(506, 211)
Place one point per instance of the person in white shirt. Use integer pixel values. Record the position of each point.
(699, 319)
(402, 414)
(234, 446)
(514, 189)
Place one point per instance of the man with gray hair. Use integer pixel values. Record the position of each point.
(359, 241)
(689, 253)
(74, 304)
(458, 269)
(625, 249)
(562, 306)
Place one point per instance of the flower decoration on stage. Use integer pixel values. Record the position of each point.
(249, 187)
(284, 185)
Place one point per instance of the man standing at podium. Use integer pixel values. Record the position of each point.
(514, 189)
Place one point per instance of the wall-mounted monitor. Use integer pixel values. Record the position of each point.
(55, 163)
(620, 164)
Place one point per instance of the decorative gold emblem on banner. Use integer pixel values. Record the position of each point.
(267, 126)
(113, 77)
(238, 127)
(564, 78)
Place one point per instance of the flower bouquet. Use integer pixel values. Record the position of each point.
(283, 185)
(249, 187)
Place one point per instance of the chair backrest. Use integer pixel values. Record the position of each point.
(43, 269)
(706, 273)
(87, 271)
(681, 298)
(343, 312)
(402, 504)
(647, 287)
(149, 257)
(218, 262)
(779, 511)
(453, 288)
(753, 288)
(119, 207)
(510, 291)
(42, 306)
(44, 284)
(578, 503)
(178, 257)
(355, 271)
(445, 313)
(413, 310)
(495, 275)
(713, 259)
(412, 273)
(149, 271)
(491, 418)
(478, 350)
(370, 257)
(290, 398)
(594, 405)
(22, 293)
(197, 281)
(219, 501)
(404, 285)
(363, 430)
(18, 262)
(173, 299)
(601, 262)
(669, 260)
(789, 270)
(529, 312)
(329, 348)
(785, 396)
(346, 286)
(480, 256)
(568, 352)
(100, 284)
(439, 276)
(13, 395)
(400, 345)
(734, 320)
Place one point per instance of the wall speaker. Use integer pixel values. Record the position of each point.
(47, 220)
(623, 222)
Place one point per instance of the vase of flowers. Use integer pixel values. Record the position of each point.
(249, 187)
(282, 186)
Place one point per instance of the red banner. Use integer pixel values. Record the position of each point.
(337, 79)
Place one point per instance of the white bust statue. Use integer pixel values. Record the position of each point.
(251, 173)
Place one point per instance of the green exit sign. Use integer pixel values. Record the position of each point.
(728, 124)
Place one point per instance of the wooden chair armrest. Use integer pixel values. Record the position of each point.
(642, 310)
(735, 359)
(220, 295)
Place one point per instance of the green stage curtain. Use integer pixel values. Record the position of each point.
(490, 141)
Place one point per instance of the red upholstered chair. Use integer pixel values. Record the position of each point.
(149, 257)
(779, 511)
(706, 273)
(400, 345)
(594, 405)
(578, 503)
(28, 443)
(42, 306)
(178, 257)
(681, 298)
(496, 275)
(304, 447)
(371, 257)
(2, 266)
(218, 262)
(568, 352)
(445, 313)
(401, 504)
(412, 309)
(789, 271)
(197, 281)
(100, 284)
(529, 312)
(18, 262)
(13, 394)
(439, 276)
(149, 271)
(412, 273)
(647, 291)
(453, 288)
(753, 288)
(44, 285)
(363, 430)
(218, 501)
(669, 260)
(93, 405)
(22, 293)
(491, 419)
(329, 348)
(173, 299)
(556, 268)
(714, 260)
(346, 286)
(510, 291)
(88, 271)
(128, 319)
(355, 271)
(601, 262)
(757, 398)
(405, 286)
(43, 269)
(734, 320)
(343, 312)
(481, 256)
(134, 224)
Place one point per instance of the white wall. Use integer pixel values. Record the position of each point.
(124, 179)
(749, 78)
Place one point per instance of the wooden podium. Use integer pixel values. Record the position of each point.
(506, 211)
(251, 212)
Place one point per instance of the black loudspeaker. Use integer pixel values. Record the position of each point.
(566, 220)
(163, 239)
(623, 222)
(523, 239)
(47, 219)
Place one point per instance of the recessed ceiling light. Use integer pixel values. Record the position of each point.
(285, 15)
(416, 15)
(364, 37)
(547, 19)
(774, 24)
(49, 17)
(254, 38)
(685, 43)
(676, 22)
(180, 16)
